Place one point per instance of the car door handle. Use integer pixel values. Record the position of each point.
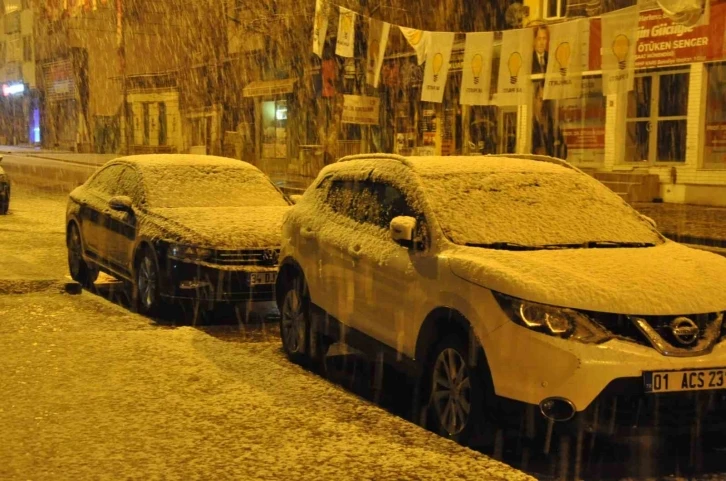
(307, 233)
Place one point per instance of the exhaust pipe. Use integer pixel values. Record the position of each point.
(557, 409)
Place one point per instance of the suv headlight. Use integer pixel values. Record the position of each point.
(188, 252)
(554, 321)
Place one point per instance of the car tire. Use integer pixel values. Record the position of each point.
(80, 270)
(456, 392)
(4, 199)
(146, 298)
(295, 324)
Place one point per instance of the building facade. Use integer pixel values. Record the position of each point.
(19, 100)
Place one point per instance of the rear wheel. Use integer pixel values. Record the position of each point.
(80, 271)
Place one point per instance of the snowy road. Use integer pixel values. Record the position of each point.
(93, 391)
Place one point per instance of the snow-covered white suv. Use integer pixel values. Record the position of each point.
(494, 279)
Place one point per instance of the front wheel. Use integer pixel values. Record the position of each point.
(456, 392)
(295, 323)
(4, 199)
(146, 289)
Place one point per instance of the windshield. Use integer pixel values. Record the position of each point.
(532, 209)
(208, 186)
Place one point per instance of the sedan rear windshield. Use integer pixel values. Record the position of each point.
(208, 186)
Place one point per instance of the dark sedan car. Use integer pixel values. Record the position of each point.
(177, 226)
(4, 191)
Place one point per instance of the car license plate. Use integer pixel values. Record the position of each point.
(689, 380)
(257, 278)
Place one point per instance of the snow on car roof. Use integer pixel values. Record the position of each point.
(184, 159)
(483, 164)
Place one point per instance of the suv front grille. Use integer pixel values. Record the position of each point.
(685, 335)
(247, 257)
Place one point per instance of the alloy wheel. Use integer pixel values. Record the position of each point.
(74, 253)
(147, 282)
(292, 323)
(451, 391)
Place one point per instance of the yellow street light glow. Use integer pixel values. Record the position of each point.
(562, 54)
(476, 66)
(621, 47)
(514, 63)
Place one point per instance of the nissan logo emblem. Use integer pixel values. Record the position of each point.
(684, 330)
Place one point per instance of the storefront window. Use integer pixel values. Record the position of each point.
(656, 118)
(714, 152)
(274, 129)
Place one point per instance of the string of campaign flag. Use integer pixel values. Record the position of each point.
(521, 56)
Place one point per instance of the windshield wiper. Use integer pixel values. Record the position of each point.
(598, 244)
(618, 244)
(508, 246)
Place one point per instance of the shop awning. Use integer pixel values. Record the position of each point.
(269, 87)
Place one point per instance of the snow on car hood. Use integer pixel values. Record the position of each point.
(668, 279)
(225, 227)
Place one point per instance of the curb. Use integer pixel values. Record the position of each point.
(28, 286)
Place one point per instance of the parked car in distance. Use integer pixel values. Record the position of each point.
(500, 281)
(177, 226)
(4, 191)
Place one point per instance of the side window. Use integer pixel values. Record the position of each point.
(106, 182)
(392, 204)
(340, 196)
(129, 184)
(364, 207)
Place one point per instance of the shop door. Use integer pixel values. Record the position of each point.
(656, 118)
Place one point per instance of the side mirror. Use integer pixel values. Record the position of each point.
(402, 229)
(650, 221)
(121, 203)
(295, 198)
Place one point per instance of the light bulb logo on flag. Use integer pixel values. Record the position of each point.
(438, 63)
(477, 63)
(515, 64)
(562, 54)
(621, 47)
(415, 37)
(347, 23)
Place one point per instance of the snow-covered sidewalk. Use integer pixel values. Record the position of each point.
(32, 239)
(92, 391)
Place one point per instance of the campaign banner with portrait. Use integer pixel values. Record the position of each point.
(513, 86)
(436, 70)
(476, 72)
(563, 77)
